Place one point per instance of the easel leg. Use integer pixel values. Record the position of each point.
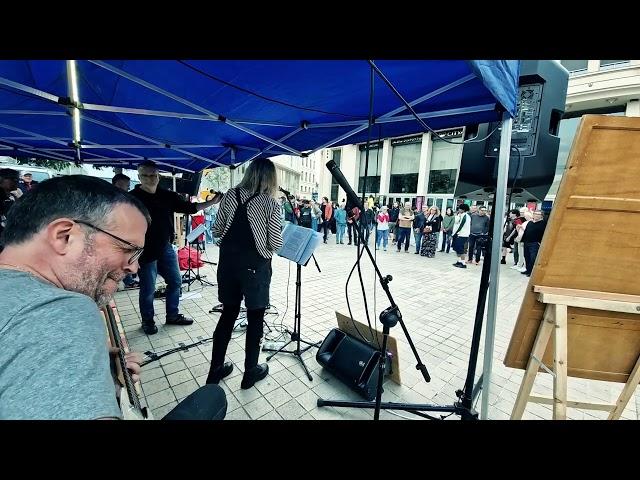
(560, 364)
(539, 347)
(627, 392)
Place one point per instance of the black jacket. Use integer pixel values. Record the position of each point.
(435, 223)
(393, 214)
(419, 221)
(161, 206)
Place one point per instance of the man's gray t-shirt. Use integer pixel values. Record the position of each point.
(54, 360)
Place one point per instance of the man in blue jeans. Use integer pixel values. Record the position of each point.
(159, 256)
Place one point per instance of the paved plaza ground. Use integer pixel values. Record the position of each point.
(437, 302)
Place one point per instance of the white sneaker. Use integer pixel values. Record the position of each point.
(514, 267)
(523, 269)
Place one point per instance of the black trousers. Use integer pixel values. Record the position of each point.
(223, 332)
(352, 227)
(476, 245)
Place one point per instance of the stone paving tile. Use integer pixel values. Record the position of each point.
(440, 326)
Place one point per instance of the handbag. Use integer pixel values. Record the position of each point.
(427, 229)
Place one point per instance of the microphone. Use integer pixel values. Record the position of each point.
(287, 193)
(339, 177)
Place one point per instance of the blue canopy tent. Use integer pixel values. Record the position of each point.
(192, 115)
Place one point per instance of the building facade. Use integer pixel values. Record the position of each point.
(423, 168)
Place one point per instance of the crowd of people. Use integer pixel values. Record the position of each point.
(465, 230)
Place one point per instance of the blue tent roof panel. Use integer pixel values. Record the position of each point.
(195, 114)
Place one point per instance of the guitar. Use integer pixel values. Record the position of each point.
(129, 403)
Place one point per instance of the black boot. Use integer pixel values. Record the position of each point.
(149, 327)
(218, 373)
(254, 375)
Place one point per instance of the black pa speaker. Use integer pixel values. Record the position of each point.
(535, 142)
(353, 362)
(188, 184)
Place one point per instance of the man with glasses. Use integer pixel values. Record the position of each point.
(68, 244)
(159, 256)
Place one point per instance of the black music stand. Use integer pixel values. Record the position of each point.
(191, 276)
(297, 323)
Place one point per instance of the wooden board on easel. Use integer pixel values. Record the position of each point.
(347, 325)
(591, 244)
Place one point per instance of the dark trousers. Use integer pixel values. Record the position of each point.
(206, 403)
(475, 246)
(351, 227)
(446, 240)
(516, 254)
(530, 254)
(403, 233)
(325, 225)
(418, 239)
(167, 266)
(223, 332)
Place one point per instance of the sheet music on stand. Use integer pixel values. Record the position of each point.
(298, 243)
(196, 232)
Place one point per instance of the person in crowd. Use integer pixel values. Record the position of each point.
(532, 238)
(526, 218)
(405, 220)
(68, 243)
(159, 255)
(382, 229)
(8, 184)
(509, 235)
(27, 183)
(327, 213)
(478, 236)
(461, 231)
(306, 215)
(447, 229)
(210, 214)
(418, 226)
(432, 225)
(248, 226)
(394, 211)
(352, 228)
(369, 221)
(341, 223)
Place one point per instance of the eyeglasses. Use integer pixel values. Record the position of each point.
(137, 250)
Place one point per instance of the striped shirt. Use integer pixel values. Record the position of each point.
(264, 219)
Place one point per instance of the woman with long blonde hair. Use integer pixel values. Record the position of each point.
(248, 224)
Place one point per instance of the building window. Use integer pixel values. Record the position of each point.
(373, 170)
(445, 160)
(575, 65)
(610, 64)
(405, 163)
(334, 185)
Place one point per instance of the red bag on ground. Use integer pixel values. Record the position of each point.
(186, 254)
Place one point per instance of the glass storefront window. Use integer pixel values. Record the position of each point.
(405, 163)
(373, 171)
(445, 160)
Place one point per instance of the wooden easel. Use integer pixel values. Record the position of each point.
(556, 301)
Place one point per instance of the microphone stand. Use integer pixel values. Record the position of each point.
(389, 318)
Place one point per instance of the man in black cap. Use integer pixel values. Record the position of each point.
(27, 183)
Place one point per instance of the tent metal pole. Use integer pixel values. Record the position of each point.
(499, 201)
